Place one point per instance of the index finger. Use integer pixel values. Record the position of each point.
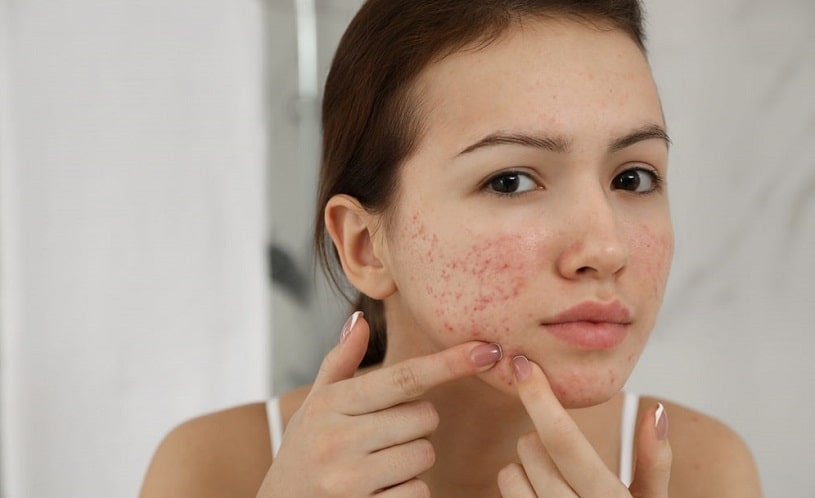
(409, 379)
(572, 453)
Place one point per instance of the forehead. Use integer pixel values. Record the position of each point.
(556, 76)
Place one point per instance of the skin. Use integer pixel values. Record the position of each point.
(460, 267)
(470, 264)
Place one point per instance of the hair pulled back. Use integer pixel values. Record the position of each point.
(371, 122)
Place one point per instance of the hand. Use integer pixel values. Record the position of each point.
(365, 435)
(557, 461)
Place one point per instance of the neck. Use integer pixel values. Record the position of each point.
(477, 435)
(479, 427)
(478, 430)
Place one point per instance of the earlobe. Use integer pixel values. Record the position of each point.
(354, 232)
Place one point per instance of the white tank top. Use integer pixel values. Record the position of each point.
(627, 429)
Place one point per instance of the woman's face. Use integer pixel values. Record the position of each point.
(533, 212)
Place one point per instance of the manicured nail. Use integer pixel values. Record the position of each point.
(486, 354)
(661, 422)
(520, 364)
(349, 326)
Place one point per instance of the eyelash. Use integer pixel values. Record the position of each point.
(486, 186)
(656, 180)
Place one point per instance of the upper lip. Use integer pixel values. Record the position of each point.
(593, 311)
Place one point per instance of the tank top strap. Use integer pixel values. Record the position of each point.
(627, 430)
(275, 420)
(628, 424)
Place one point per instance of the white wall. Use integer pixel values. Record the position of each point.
(133, 232)
(735, 337)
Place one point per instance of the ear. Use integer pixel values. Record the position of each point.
(360, 246)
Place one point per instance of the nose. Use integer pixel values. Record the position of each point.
(594, 245)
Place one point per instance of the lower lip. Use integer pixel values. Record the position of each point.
(589, 335)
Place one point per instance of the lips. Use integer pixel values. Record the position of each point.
(591, 325)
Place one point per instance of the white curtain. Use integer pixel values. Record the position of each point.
(133, 229)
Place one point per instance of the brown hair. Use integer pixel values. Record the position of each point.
(371, 122)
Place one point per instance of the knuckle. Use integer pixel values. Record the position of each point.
(454, 362)
(406, 379)
(658, 461)
(664, 460)
(315, 405)
(560, 428)
(527, 443)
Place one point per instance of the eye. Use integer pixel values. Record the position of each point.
(637, 180)
(511, 183)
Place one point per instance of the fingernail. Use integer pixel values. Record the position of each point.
(486, 354)
(661, 422)
(349, 326)
(520, 364)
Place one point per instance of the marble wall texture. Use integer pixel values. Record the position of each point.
(736, 333)
(736, 336)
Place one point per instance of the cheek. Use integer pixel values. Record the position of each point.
(477, 289)
(652, 252)
(470, 283)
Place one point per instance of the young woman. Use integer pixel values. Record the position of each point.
(493, 185)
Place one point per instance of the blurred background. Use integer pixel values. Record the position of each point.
(157, 163)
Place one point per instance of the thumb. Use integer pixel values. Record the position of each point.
(342, 362)
(653, 468)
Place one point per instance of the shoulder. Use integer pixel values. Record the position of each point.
(225, 453)
(709, 458)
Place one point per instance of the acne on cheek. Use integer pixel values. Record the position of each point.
(654, 252)
(478, 288)
(471, 289)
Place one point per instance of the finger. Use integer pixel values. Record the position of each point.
(541, 471)
(405, 381)
(513, 483)
(399, 424)
(413, 488)
(654, 456)
(343, 360)
(399, 464)
(574, 456)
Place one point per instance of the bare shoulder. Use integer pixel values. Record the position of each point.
(709, 458)
(225, 453)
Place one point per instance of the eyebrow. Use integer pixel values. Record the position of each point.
(562, 145)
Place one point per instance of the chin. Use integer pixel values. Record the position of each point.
(575, 386)
(584, 386)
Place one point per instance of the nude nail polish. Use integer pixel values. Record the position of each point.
(485, 355)
(520, 365)
(349, 326)
(661, 422)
